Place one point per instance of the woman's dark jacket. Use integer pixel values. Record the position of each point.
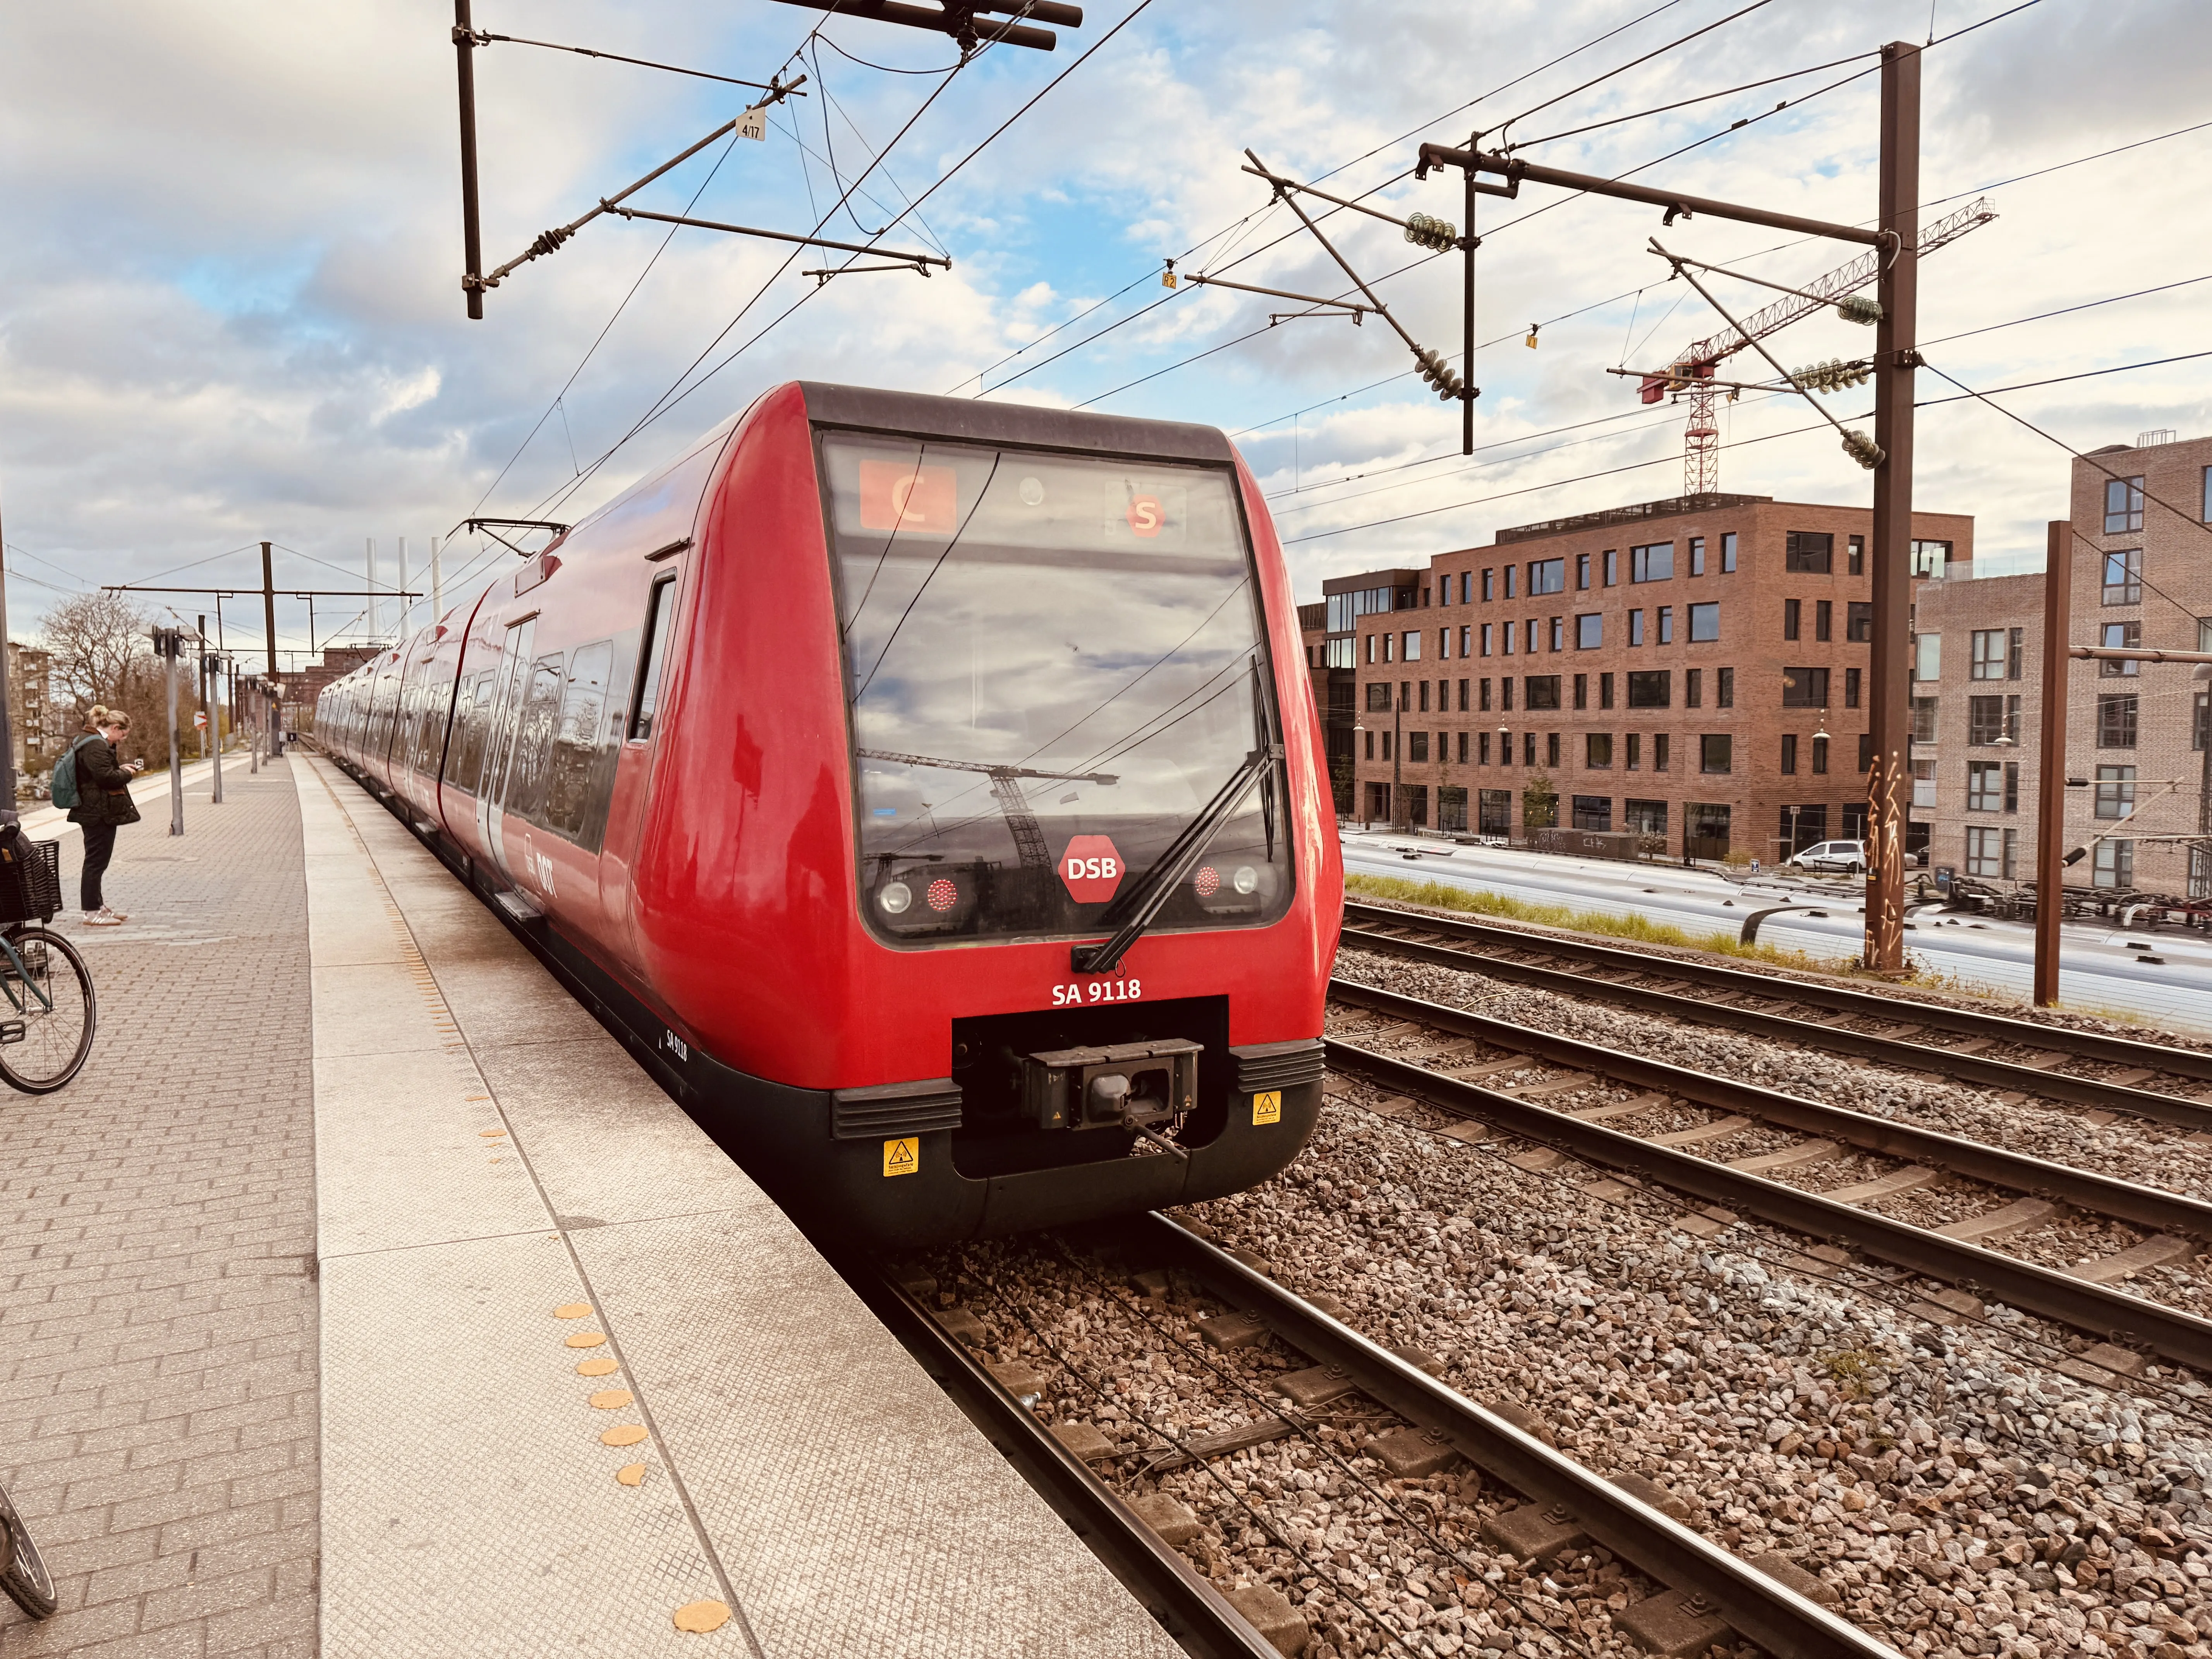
(103, 788)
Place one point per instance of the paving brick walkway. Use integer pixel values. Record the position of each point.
(157, 1238)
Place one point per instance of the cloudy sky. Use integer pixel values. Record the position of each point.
(229, 301)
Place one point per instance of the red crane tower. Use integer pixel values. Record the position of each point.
(1690, 373)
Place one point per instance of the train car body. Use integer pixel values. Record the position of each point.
(822, 761)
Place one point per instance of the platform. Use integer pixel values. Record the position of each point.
(497, 1197)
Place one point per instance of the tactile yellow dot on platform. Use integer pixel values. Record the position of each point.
(700, 1617)
(572, 1310)
(584, 1338)
(624, 1434)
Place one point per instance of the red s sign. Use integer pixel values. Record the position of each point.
(1145, 515)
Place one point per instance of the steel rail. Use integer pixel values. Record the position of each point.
(2093, 1045)
(2125, 1320)
(2105, 1196)
(1891, 1051)
(1188, 1607)
(1767, 1612)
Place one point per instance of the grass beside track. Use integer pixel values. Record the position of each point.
(1437, 895)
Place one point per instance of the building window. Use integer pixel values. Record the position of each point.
(2114, 864)
(1651, 689)
(1466, 640)
(1724, 688)
(1494, 810)
(1482, 748)
(1931, 559)
(1462, 697)
(1819, 757)
(1985, 720)
(1727, 554)
(1338, 654)
(1808, 551)
(1789, 754)
(1985, 851)
(1509, 570)
(1379, 697)
(1866, 752)
(1488, 634)
(1417, 745)
(1582, 571)
(1613, 567)
(1923, 719)
(1804, 688)
(2119, 636)
(1551, 748)
(2124, 499)
(1546, 576)
(1443, 645)
(1857, 556)
(1694, 688)
(1858, 621)
(1412, 644)
(1927, 656)
(1790, 614)
(1713, 751)
(2012, 786)
(1824, 619)
(1505, 694)
(1989, 655)
(1850, 688)
(1605, 690)
(1704, 622)
(1543, 691)
(1482, 693)
(2116, 791)
(1985, 787)
(1558, 633)
(2206, 513)
(1593, 813)
(1597, 751)
(1532, 636)
(1666, 625)
(1425, 697)
(2116, 721)
(1370, 736)
(1651, 563)
(2123, 577)
(1923, 783)
(1697, 555)
(1589, 633)
(1636, 628)
(1660, 743)
(1462, 746)
(1635, 751)
(1582, 690)
(1386, 746)
(2014, 651)
(1489, 586)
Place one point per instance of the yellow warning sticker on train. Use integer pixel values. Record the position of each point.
(903, 1157)
(1267, 1108)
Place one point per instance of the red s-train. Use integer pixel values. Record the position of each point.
(930, 791)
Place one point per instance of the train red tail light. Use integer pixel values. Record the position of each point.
(943, 895)
(1207, 881)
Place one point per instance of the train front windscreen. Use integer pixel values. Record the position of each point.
(1054, 666)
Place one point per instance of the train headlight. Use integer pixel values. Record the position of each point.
(1246, 880)
(894, 898)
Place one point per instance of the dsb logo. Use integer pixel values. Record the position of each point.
(1091, 869)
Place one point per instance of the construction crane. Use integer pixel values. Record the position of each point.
(1005, 787)
(1690, 375)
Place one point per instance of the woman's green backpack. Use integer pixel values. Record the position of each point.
(64, 784)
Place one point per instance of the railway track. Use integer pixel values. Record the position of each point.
(2016, 1056)
(1495, 1075)
(1564, 1509)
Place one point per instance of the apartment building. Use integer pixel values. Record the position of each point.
(1691, 670)
(2141, 516)
(35, 725)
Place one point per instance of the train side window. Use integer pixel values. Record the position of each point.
(534, 739)
(470, 721)
(575, 737)
(645, 701)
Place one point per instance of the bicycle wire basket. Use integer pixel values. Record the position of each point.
(30, 878)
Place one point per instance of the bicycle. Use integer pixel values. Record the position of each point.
(23, 1572)
(50, 1014)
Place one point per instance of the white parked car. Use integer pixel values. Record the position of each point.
(1847, 857)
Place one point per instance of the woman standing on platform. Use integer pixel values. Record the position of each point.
(103, 805)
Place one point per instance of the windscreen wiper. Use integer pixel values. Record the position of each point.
(1142, 903)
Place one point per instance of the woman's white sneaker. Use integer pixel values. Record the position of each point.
(104, 917)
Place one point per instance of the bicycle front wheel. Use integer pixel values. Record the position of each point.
(24, 1576)
(51, 1002)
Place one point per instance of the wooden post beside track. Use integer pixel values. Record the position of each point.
(2051, 786)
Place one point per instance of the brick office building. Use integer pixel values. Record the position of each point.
(2135, 750)
(1690, 669)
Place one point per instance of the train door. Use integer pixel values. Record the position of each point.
(499, 744)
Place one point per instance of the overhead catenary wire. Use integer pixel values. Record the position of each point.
(1656, 51)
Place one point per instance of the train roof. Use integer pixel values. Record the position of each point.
(971, 420)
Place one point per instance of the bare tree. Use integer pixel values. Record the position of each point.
(103, 653)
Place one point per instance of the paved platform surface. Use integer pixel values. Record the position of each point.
(157, 1236)
(504, 1199)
